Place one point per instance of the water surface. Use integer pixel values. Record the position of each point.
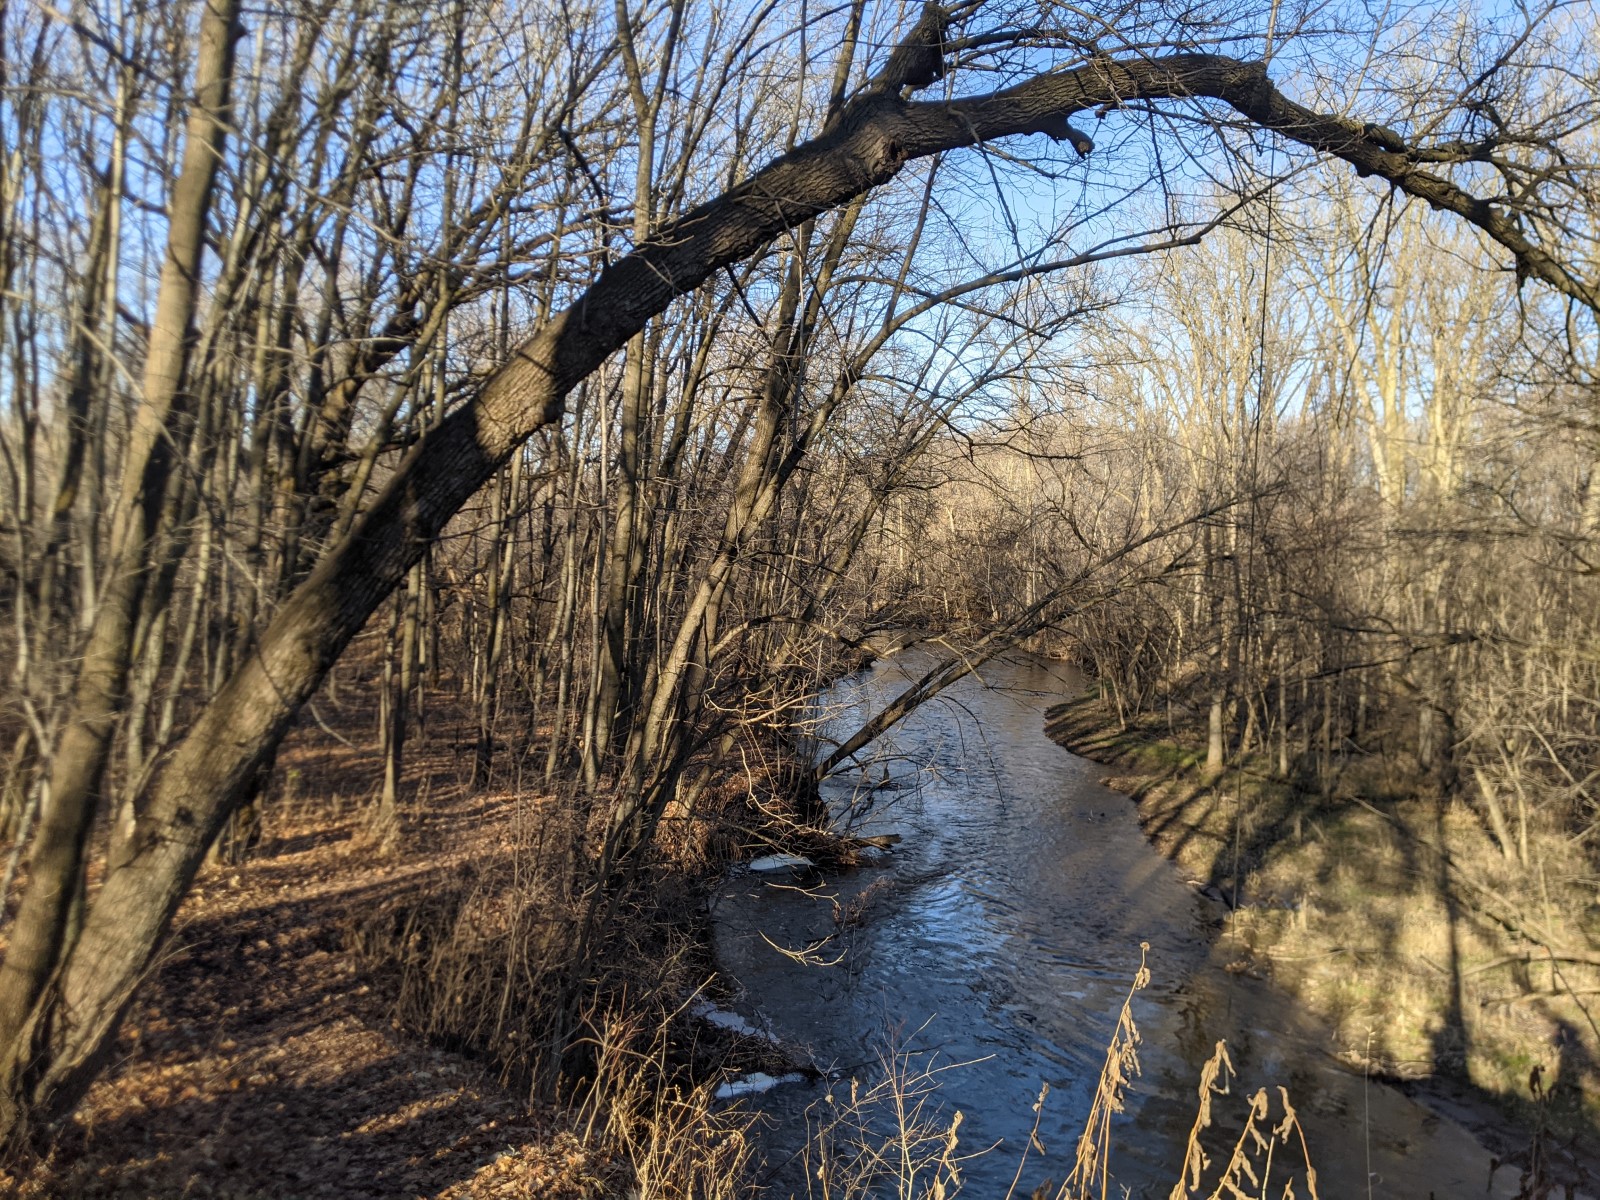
(1003, 934)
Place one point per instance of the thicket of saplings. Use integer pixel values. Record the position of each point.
(377, 330)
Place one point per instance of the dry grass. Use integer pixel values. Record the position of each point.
(887, 1138)
(638, 1108)
(1389, 917)
(486, 960)
(357, 1007)
(1247, 1174)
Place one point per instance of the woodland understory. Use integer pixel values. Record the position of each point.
(444, 446)
(360, 1005)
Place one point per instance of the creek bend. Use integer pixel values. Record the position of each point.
(1004, 931)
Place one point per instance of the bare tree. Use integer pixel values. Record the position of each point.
(359, 531)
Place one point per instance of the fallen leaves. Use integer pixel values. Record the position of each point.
(259, 1064)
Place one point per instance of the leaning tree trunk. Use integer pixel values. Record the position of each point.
(56, 1034)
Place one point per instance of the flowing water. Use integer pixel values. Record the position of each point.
(1003, 933)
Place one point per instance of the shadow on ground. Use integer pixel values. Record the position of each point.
(1342, 899)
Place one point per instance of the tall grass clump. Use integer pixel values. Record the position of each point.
(638, 1107)
(569, 992)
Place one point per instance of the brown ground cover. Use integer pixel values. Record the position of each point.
(1339, 896)
(262, 1060)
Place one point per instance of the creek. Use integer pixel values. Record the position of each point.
(1003, 932)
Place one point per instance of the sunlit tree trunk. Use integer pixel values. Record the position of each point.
(40, 938)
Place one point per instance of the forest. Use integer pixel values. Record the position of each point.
(445, 450)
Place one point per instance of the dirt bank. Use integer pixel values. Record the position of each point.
(1340, 897)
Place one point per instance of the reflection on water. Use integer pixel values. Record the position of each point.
(1004, 933)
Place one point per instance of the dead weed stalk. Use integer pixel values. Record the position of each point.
(1248, 1173)
(1093, 1158)
(679, 1145)
(886, 1139)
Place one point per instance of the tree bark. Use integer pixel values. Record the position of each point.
(39, 941)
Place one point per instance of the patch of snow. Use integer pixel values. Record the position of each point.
(755, 1083)
(731, 1021)
(780, 862)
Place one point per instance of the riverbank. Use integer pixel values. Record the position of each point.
(344, 1012)
(1344, 901)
